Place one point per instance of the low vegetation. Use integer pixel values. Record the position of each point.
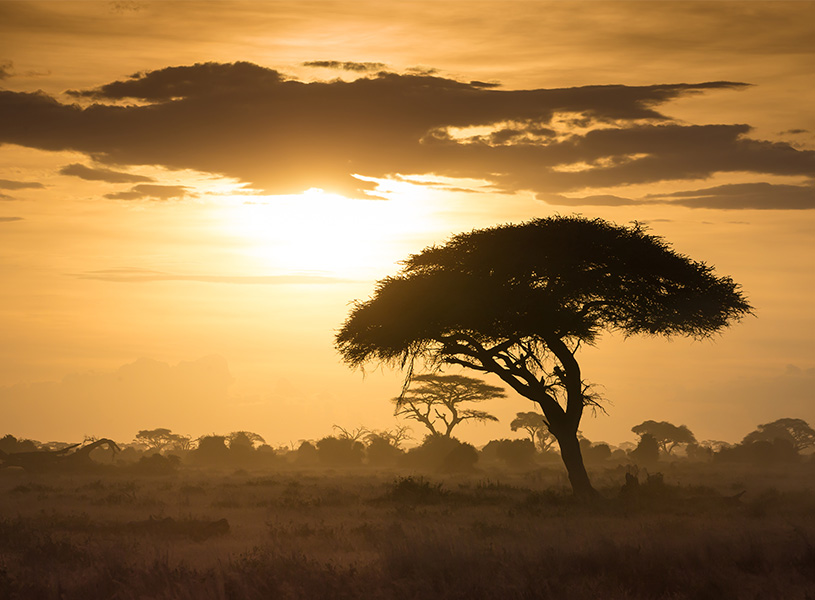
(694, 531)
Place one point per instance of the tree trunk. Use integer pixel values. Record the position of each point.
(573, 460)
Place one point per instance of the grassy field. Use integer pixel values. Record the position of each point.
(367, 534)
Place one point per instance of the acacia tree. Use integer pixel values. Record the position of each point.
(520, 300)
(796, 431)
(536, 426)
(437, 402)
(667, 435)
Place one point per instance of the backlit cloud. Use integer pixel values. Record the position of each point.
(108, 175)
(6, 184)
(359, 67)
(284, 136)
(151, 192)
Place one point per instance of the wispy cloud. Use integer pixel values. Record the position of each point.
(7, 184)
(10, 219)
(151, 192)
(358, 67)
(97, 174)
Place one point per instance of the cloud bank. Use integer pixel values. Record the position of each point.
(284, 136)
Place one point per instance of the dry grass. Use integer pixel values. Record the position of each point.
(401, 535)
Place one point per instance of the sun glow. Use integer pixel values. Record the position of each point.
(322, 233)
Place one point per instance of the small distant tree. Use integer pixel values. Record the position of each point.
(796, 431)
(394, 436)
(354, 435)
(437, 401)
(667, 435)
(339, 452)
(536, 427)
(157, 439)
(244, 439)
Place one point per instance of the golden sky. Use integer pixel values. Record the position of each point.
(192, 193)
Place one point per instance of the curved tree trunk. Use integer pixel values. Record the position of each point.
(573, 460)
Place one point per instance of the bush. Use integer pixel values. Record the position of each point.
(762, 452)
(381, 453)
(513, 453)
(440, 453)
(647, 451)
(340, 452)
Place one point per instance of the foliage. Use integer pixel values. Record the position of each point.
(439, 399)
(519, 300)
(796, 431)
(667, 435)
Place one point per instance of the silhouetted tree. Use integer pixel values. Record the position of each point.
(154, 439)
(381, 451)
(350, 434)
(519, 301)
(647, 451)
(211, 450)
(796, 431)
(536, 426)
(394, 436)
(340, 452)
(10, 444)
(594, 453)
(513, 453)
(441, 453)
(779, 450)
(244, 439)
(306, 454)
(667, 435)
(439, 399)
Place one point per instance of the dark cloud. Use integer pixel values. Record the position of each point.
(129, 275)
(151, 192)
(7, 184)
(6, 67)
(83, 172)
(745, 196)
(5, 197)
(10, 219)
(285, 136)
(734, 196)
(358, 67)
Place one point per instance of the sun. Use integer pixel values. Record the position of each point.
(322, 233)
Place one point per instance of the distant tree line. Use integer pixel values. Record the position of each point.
(163, 451)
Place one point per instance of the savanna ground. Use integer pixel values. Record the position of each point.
(388, 534)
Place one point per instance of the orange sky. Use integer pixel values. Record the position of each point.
(192, 193)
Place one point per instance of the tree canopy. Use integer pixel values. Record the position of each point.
(519, 300)
(796, 431)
